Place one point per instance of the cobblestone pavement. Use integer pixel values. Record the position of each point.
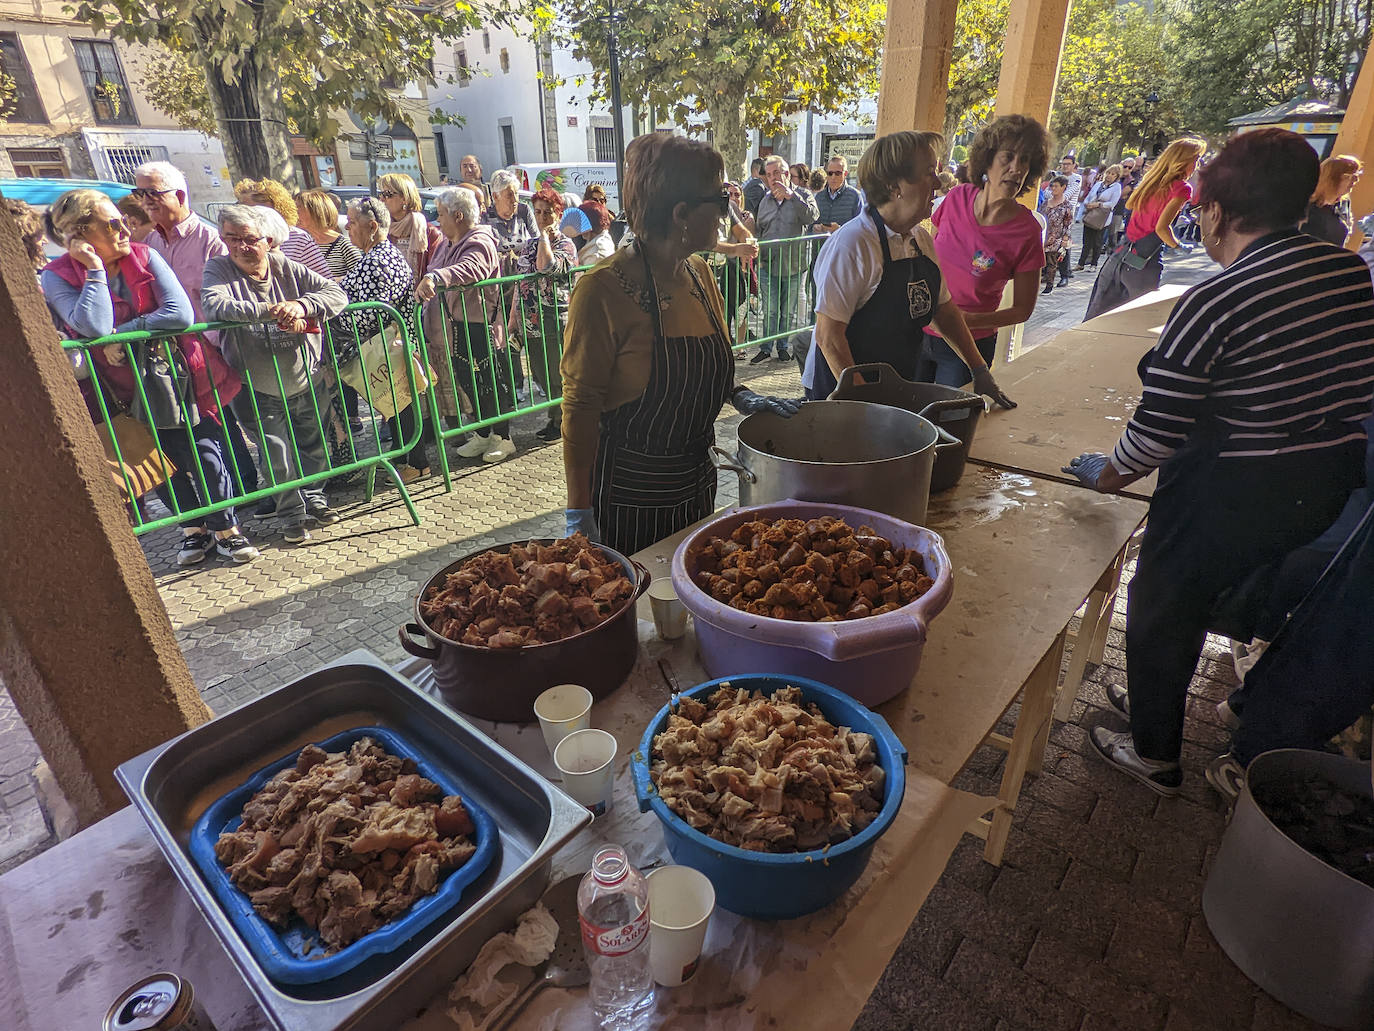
(1094, 921)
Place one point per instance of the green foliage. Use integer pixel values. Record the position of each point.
(740, 62)
(1237, 56)
(7, 90)
(959, 153)
(347, 55)
(980, 30)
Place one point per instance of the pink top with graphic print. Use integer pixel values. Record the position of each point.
(978, 261)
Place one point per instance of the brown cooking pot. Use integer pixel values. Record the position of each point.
(501, 684)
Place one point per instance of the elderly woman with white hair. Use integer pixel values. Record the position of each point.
(462, 324)
(510, 217)
(278, 350)
(381, 274)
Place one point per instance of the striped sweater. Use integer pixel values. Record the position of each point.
(1275, 355)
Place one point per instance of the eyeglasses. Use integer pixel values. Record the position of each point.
(387, 194)
(721, 200)
(113, 226)
(543, 212)
(246, 241)
(831, 175)
(143, 193)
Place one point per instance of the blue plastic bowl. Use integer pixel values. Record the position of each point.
(778, 885)
(296, 955)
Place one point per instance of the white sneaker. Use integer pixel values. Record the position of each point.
(475, 447)
(500, 450)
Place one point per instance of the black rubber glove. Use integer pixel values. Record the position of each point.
(1087, 467)
(983, 383)
(748, 403)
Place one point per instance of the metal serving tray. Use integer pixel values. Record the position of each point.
(171, 786)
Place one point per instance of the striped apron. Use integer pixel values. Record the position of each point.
(653, 474)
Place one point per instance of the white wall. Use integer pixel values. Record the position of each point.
(491, 97)
(200, 158)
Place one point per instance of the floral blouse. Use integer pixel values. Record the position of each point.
(1058, 221)
(381, 274)
(550, 290)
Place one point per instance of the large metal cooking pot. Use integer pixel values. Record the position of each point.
(949, 408)
(846, 452)
(501, 684)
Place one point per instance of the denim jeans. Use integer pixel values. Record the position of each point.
(941, 364)
(779, 306)
(272, 428)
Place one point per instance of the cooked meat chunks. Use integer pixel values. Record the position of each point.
(817, 571)
(766, 774)
(532, 594)
(345, 841)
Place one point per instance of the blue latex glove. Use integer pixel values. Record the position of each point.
(748, 403)
(583, 520)
(1087, 467)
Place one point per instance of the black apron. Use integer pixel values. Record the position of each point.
(653, 474)
(888, 328)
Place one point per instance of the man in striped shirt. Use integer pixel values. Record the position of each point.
(1251, 411)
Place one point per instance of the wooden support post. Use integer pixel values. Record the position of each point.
(1357, 137)
(916, 57)
(1030, 63)
(86, 649)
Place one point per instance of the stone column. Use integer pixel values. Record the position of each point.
(1357, 137)
(916, 56)
(1030, 63)
(86, 649)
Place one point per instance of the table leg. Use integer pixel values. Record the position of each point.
(1027, 741)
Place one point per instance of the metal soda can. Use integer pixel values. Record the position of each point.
(159, 1002)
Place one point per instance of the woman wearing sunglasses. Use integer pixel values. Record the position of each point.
(106, 283)
(646, 357)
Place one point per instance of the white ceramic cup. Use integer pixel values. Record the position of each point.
(586, 759)
(681, 901)
(670, 615)
(563, 710)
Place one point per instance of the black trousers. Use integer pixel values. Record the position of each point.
(1212, 523)
(1092, 246)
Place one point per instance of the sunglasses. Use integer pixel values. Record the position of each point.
(143, 193)
(721, 200)
(113, 226)
(831, 175)
(387, 195)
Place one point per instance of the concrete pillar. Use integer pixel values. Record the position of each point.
(1357, 137)
(86, 649)
(1030, 61)
(916, 56)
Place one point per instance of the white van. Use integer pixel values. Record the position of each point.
(572, 179)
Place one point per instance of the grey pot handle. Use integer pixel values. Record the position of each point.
(945, 438)
(950, 404)
(875, 372)
(722, 459)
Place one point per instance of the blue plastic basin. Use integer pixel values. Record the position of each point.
(296, 955)
(778, 885)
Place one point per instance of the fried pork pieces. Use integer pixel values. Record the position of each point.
(533, 594)
(768, 775)
(346, 841)
(814, 571)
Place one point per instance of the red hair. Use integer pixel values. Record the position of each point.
(549, 196)
(597, 214)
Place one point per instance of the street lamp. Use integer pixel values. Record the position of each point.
(617, 117)
(1148, 138)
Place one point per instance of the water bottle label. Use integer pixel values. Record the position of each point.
(616, 941)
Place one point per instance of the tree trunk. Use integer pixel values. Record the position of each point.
(731, 137)
(252, 122)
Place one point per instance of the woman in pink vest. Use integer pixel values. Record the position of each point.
(106, 283)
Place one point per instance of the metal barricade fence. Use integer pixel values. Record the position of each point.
(488, 341)
(202, 470)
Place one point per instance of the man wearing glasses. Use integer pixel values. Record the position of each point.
(184, 241)
(838, 202)
(784, 212)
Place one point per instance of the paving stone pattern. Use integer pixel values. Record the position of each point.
(1094, 922)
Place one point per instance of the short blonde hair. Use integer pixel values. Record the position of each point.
(274, 193)
(1110, 169)
(892, 158)
(1328, 189)
(321, 208)
(399, 182)
(69, 214)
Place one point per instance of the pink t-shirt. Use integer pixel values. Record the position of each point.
(978, 261)
(1143, 220)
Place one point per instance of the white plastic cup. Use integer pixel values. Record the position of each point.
(586, 759)
(670, 615)
(563, 710)
(681, 901)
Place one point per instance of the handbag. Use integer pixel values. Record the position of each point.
(1142, 251)
(379, 368)
(139, 465)
(1096, 218)
(167, 399)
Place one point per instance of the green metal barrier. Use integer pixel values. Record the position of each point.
(310, 413)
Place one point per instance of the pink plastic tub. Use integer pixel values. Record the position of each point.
(871, 659)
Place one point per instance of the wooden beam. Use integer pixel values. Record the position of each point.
(916, 57)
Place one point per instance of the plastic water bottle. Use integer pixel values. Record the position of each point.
(613, 907)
